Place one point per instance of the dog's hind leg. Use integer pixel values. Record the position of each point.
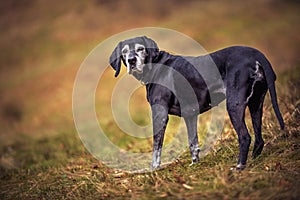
(191, 124)
(236, 114)
(159, 120)
(255, 105)
(236, 98)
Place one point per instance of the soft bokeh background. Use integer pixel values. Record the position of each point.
(44, 42)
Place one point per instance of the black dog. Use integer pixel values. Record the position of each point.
(245, 75)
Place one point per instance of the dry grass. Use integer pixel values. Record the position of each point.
(41, 155)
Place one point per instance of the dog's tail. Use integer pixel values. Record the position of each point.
(270, 78)
(275, 104)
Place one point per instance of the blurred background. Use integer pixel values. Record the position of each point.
(44, 42)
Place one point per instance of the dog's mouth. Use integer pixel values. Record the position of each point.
(133, 69)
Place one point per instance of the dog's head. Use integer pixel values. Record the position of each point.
(135, 54)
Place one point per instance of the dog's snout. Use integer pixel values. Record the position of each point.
(132, 60)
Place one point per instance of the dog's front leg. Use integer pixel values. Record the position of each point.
(191, 124)
(159, 120)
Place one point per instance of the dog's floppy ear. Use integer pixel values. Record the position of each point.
(115, 59)
(152, 49)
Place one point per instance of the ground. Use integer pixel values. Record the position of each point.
(43, 45)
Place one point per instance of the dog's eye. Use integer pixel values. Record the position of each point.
(140, 49)
(124, 51)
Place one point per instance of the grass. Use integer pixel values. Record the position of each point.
(59, 167)
(41, 155)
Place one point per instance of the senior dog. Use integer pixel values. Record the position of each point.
(245, 76)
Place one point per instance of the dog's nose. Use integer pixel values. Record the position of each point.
(132, 60)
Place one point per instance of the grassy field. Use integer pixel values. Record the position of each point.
(43, 45)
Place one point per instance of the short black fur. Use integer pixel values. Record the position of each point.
(246, 76)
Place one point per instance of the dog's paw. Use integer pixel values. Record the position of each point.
(155, 166)
(195, 155)
(239, 167)
(194, 161)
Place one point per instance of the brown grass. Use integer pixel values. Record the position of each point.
(43, 45)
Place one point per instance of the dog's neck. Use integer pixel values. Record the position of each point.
(151, 71)
(148, 75)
